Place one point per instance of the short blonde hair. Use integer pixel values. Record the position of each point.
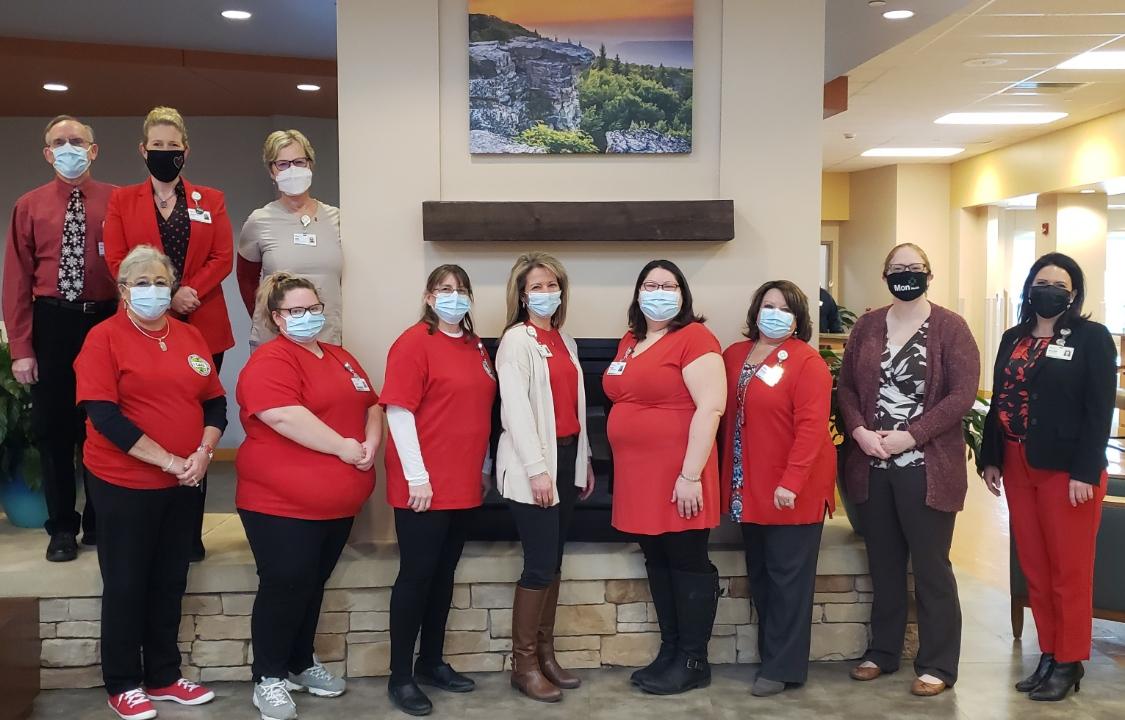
(141, 257)
(912, 246)
(517, 284)
(280, 139)
(161, 115)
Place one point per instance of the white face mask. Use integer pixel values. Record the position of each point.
(294, 180)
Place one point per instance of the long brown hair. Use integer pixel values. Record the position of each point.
(517, 284)
(272, 291)
(439, 273)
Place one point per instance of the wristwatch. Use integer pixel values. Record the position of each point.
(207, 449)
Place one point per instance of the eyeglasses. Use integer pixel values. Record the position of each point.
(75, 141)
(297, 312)
(1061, 284)
(295, 162)
(158, 282)
(446, 291)
(916, 267)
(654, 286)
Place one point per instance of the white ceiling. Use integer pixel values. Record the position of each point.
(896, 96)
(290, 28)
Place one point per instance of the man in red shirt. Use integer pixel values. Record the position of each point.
(56, 287)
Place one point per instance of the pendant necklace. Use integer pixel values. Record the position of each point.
(159, 340)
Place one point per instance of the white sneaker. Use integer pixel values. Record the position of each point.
(273, 700)
(317, 681)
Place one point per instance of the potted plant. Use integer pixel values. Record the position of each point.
(972, 425)
(21, 486)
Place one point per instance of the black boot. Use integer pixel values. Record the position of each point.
(1042, 671)
(408, 697)
(1058, 683)
(697, 598)
(660, 585)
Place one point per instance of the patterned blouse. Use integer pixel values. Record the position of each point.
(1011, 402)
(739, 449)
(901, 393)
(175, 231)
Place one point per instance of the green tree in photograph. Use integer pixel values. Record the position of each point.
(617, 64)
(558, 141)
(602, 60)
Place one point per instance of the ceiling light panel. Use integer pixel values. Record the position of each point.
(1097, 60)
(1000, 118)
(913, 152)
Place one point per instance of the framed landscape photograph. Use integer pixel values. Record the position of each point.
(580, 76)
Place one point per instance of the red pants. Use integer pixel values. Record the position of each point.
(1055, 544)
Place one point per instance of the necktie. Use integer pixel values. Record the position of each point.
(72, 259)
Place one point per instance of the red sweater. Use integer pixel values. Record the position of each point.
(952, 379)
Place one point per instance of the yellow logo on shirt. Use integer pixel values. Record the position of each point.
(199, 365)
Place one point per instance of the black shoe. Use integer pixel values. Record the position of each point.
(1058, 683)
(62, 548)
(697, 598)
(90, 539)
(443, 677)
(1042, 671)
(198, 553)
(409, 698)
(664, 599)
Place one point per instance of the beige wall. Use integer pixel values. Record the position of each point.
(923, 219)
(866, 238)
(403, 135)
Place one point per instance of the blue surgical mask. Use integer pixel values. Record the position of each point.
(304, 328)
(453, 307)
(544, 304)
(659, 305)
(775, 323)
(150, 301)
(71, 161)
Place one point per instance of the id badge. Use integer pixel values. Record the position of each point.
(197, 215)
(308, 239)
(545, 351)
(361, 384)
(101, 249)
(1060, 352)
(771, 374)
(615, 368)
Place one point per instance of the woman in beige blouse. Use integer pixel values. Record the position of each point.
(295, 233)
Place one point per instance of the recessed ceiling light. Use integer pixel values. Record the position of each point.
(1087, 191)
(898, 14)
(984, 62)
(235, 14)
(1000, 118)
(919, 152)
(55, 87)
(1023, 201)
(1096, 60)
(876, 3)
(308, 87)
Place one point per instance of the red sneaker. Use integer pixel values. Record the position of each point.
(184, 692)
(132, 705)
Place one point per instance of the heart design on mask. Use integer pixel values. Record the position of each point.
(178, 161)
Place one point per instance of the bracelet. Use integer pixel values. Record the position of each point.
(171, 460)
(681, 476)
(207, 449)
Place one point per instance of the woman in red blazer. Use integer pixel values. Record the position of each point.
(779, 470)
(189, 224)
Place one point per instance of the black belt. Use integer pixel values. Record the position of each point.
(93, 307)
(568, 440)
(1014, 439)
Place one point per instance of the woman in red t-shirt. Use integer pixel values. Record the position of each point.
(155, 410)
(779, 473)
(542, 460)
(668, 393)
(438, 395)
(313, 424)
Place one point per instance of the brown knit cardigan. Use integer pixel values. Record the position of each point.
(952, 378)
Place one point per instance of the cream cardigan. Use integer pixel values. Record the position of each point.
(528, 445)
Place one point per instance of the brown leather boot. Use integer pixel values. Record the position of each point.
(526, 675)
(545, 647)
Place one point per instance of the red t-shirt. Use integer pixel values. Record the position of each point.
(448, 383)
(161, 392)
(277, 476)
(564, 382)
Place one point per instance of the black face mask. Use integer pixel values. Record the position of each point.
(165, 165)
(906, 285)
(1048, 301)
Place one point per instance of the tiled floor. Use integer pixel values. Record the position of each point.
(990, 663)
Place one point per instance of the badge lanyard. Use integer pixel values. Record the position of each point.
(358, 380)
(484, 361)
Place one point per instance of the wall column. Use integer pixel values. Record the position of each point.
(1077, 225)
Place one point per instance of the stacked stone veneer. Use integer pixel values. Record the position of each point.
(600, 622)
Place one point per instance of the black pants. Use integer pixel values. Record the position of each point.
(144, 540)
(898, 526)
(429, 546)
(295, 558)
(57, 423)
(199, 500)
(781, 568)
(543, 531)
(684, 551)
